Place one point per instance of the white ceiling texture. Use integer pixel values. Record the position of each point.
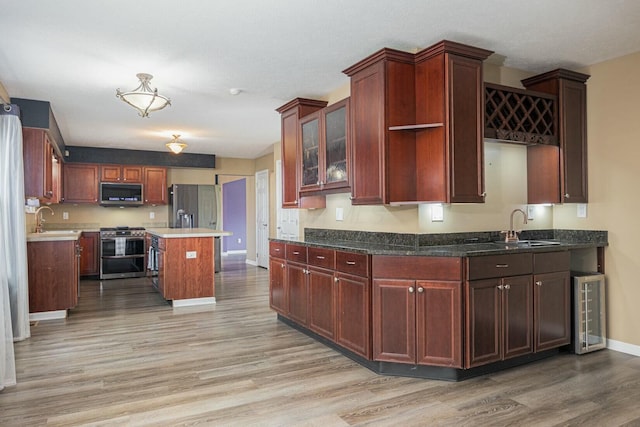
(76, 53)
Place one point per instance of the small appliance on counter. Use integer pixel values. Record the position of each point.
(122, 252)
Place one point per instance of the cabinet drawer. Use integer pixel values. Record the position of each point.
(550, 262)
(484, 267)
(162, 244)
(416, 267)
(276, 249)
(321, 257)
(352, 263)
(296, 253)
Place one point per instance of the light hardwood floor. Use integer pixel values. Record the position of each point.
(125, 357)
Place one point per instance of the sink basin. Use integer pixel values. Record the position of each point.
(529, 243)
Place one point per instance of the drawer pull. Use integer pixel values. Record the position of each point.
(277, 249)
(351, 263)
(319, 257)
(296, 252)
(502, 265)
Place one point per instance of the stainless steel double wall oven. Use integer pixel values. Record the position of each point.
(122, 252)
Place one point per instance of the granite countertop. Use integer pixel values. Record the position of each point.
(177, 233)
(449, 244)
(54, 235)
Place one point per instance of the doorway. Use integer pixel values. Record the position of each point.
(262, 218)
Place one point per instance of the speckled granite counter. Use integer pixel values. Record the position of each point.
(449, 244)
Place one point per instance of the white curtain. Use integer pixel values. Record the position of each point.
(14, 282)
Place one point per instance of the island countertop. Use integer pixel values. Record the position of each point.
(178, 233)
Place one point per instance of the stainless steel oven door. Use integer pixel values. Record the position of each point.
(122, 257)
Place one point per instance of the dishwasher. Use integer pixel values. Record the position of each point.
(589, 312)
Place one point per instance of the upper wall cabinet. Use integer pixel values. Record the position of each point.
(155, 185)
(382, 95)
(417, 126)
(41, 166)
(324, 150)
(450, 155)
(121, 173)
(81, 183)
(290, 115)
(569, 162)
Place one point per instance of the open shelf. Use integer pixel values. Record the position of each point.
(417, 127)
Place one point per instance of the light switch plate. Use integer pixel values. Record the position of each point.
(191, 254)
(152, 215)
(339, 214)
(437, 213)
(65, 215)
(582, 210)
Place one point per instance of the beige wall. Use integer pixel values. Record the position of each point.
(614, 149)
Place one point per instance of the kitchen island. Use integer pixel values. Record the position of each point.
(443, 306)
(184, 261)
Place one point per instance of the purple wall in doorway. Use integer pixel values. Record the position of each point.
(234, 215)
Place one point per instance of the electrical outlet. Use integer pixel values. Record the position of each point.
(65, 215)
(339, 214)
(152, 215)
(191, 254)
(239, 240)
(531, 213)
(582, 210)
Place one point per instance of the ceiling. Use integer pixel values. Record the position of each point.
(76, 53)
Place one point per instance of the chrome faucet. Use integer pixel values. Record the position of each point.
(512, 234)
(39, 219)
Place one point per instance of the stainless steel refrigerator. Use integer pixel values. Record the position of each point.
(192, 205)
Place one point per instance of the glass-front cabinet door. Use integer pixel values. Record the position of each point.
(335, 150)
(324, 149)
(310, 136)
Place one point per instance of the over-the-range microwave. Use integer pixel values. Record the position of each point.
(120, 194)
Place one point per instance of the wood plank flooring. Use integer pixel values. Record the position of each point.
(126, 357)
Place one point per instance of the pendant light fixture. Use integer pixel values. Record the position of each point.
(144, 98)
(176, 146)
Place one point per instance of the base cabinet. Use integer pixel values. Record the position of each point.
(53, 268)
(417, 321)
(499, 319)
(322, 307)
(89, 254)
(353, 323)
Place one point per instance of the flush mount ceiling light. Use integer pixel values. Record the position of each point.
(176, 146)
(144, 98)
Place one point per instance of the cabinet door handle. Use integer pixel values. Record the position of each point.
(282, 266)
(507, 286)
(539, 283)
(500, 287)
(420, 289)
(351, 263)
(335, 279)
(566, 195)
(320, 257)
(502, 265)
(411, 289)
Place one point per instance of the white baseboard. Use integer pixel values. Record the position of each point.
(251, 261)
(188, 302)
(48, 315)
(623, 347)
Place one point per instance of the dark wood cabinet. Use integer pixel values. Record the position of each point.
(552, 300)
(449, 98)
(382, 95)
(80, 183)
(53, 275)
(41, 169)
(417, 321)
(290, 115)
(90, 253)
(321, 313)
(297, 292)
(155, 185)
(353, 313)
(121, 173)
(566, 164)
(499, 319)
(324, 149)
(277, 279)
